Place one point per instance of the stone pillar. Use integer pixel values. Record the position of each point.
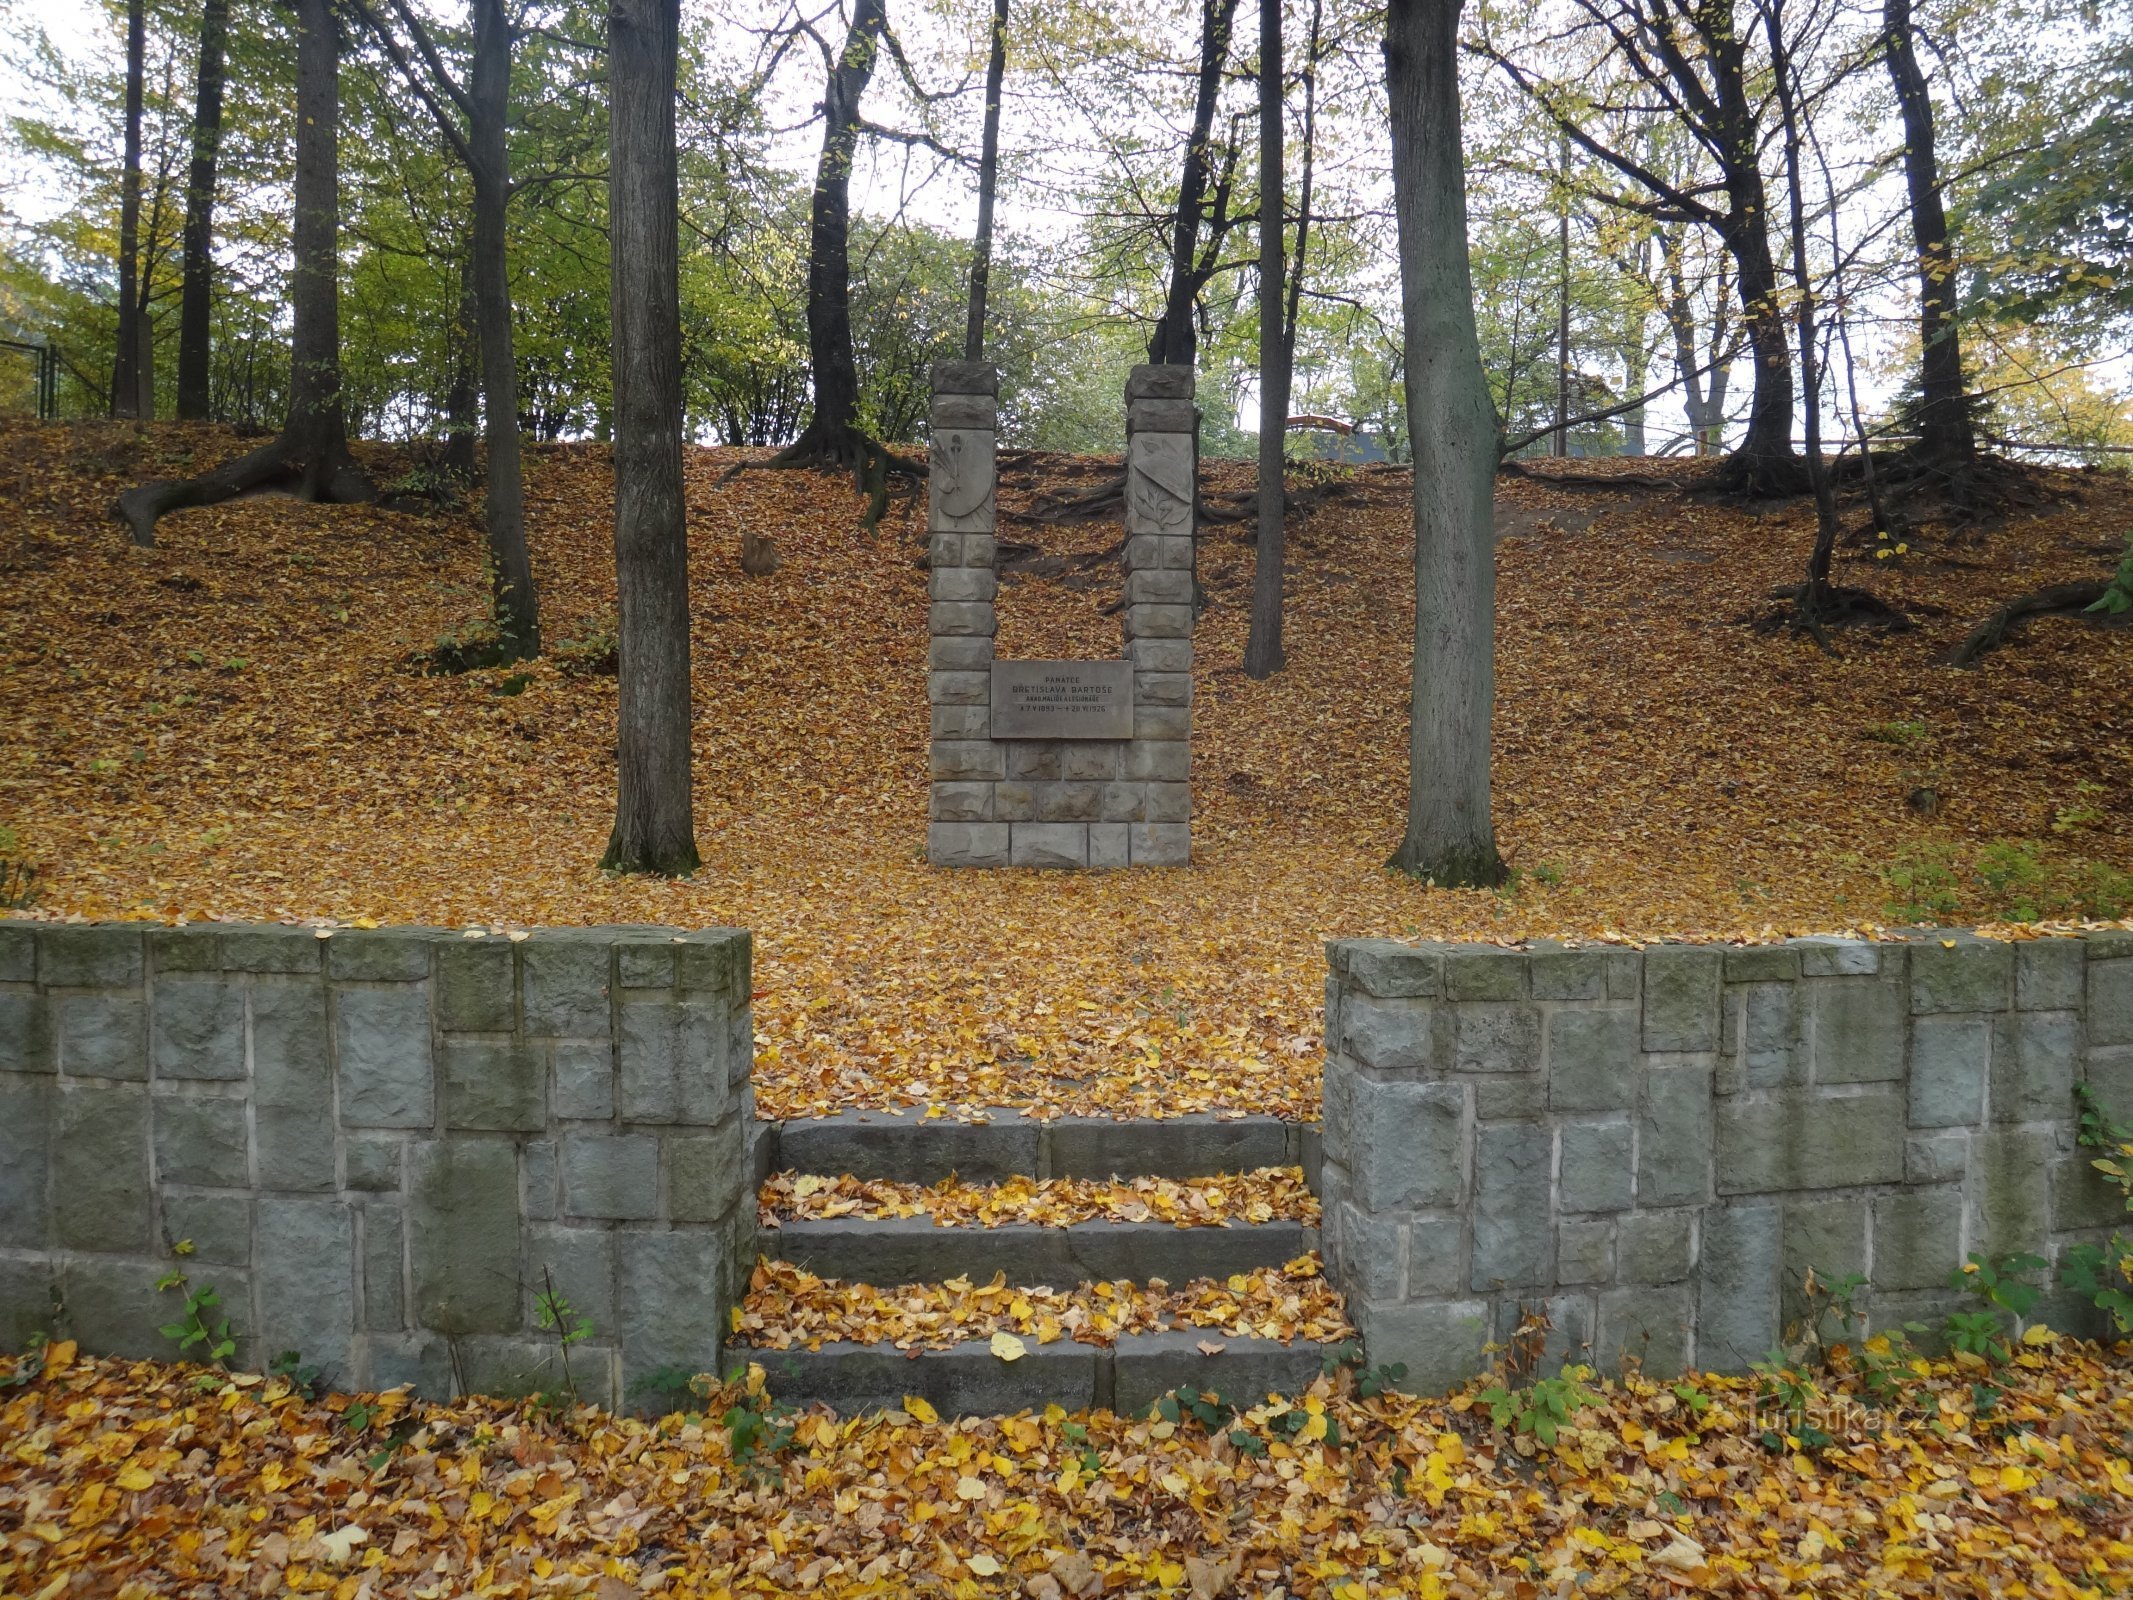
(1162, 460)
(966, 764)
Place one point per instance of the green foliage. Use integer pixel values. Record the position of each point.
(292, 1369)
(1901, 733)
(554, 1314)
(2104, 1272)
(201, 1333)
(2004, 880)
(1783, 1388)
(1370, 1382)
(1543, 1408)
(2117, 597)
(757, 1426)
(2002, 1294)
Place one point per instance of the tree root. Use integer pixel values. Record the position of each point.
(327, 474)
(1588, 480)
(2053, 599)
(1814, 614)
(844, 448)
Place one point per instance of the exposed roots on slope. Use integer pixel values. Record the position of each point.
(844, 448)
(319, 472)
(2055, 599)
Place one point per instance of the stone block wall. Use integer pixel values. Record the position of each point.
(1089, 803)
(382, 1145)
(1651, 1148)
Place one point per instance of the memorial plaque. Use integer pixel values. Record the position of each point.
(1062, 699)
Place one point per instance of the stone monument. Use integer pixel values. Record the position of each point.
(1061, 763)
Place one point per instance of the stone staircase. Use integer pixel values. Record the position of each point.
(970, 1378)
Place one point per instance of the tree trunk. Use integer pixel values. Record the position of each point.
(1263, 655)
(196, 298)
(655, 829)
(1303, 197)
(462, 399)
(311, 452)
(126, 363)
(1450, 836)
(834, 371)
(517, 608)
(1176, 339)
(988, 183)
(1944, 423)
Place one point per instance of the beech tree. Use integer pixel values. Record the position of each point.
(988, 186)
(1451, 836)
(1263, 656)
(196, 294)
(655, 821)
(132, 383)
(1175, 341)
(310, 454)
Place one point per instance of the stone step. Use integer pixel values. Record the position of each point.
(908, 1147)
(970, 1380)
(916, 1250)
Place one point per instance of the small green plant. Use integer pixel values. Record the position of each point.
(201, 1333)
(1789, 1393)
(757, 1426)
(2104, 1272)
(290, 1368)
(2001, 1293)
(1886, 1362)
(591, 654)
(1834, 1315)
(1213, 1412)
(2014, 880)
(2083, 813)
(28, 1367)
(1370, 1382)
(556, 1315)
(1544, 1407)
(1902, 733)
(1922, 885)
(2117, 596)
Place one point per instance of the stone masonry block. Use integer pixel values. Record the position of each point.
(1826, 956)
(100, 1167)
(964, 583)
(1965, 974)
(963, 377)
(1825, 1236)
(1390, 1035)
(580, 1262)
(1513, 1243)
(18, 952)
(1160, 844)
(383, 1050)
(25, 1154)
(2049, 974)
(1014, 801)
(1762, 963)
(970, 618)
(972, 688)
(645, 963)
(962, 722)
(1158, 761)
(1162, 802)
(669, 1311)
(306, 1281)
(1857, 1029)
(2082, 1197)
(1936, 1156)
(707, 1174)
(1162, 722)
(1569, 1334)
(290, 1053)
(384, 1267)
(966, 844)
(371, 1166)
(1483, 973)
(113, 1307)
(584, 1080)
(1951, 1058)
(1161, 416)
(2108, 1069)
(30, 1298)
(1584, 1252)
(1674, 1141)
(1798, 1140)
(26, 1033)
(103, 1036)
(1592, 1059)
(476, 986)
(379, 955)
(1569, 974)
(966, 760)
(292, 1147)
(1110, 846)
(1918, 1237)
(1373, 1253)
(1681, 997)
(1159, 383)
(1738, 1286)
(199, 1029)
(1163, 658)
(203, 1140)
(1035, 760)
(1146, 621)
(1436, 1256)
(1598, 1166)
(1048, 844)
(1654, 1246)
(496, 1087)
(1515, 1097)
(258, 947)
(1158, 587)
(463, 1235)
(564, 987)
(979, 411)
(1069, 802)
(962, 654)
(1091, 762)
(1388, 969)
(1762, 1034)
(960, 802)
(1647, 1327)
(1439, 1342)
(540, 1179)
(614, 1177)
(2034, 1081)
(2010, 1191)
(1403, 1142)
(218, 1226)
(1495, 1036)
(1625, 975)
(2111, 1001)
(672, 1061)
(91, 956)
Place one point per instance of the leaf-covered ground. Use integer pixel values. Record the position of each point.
(235, 724)
(1244, 1197)
(132, 1480)
(787, 1307)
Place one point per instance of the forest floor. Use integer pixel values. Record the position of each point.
(132, 1480)
(239, 723)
